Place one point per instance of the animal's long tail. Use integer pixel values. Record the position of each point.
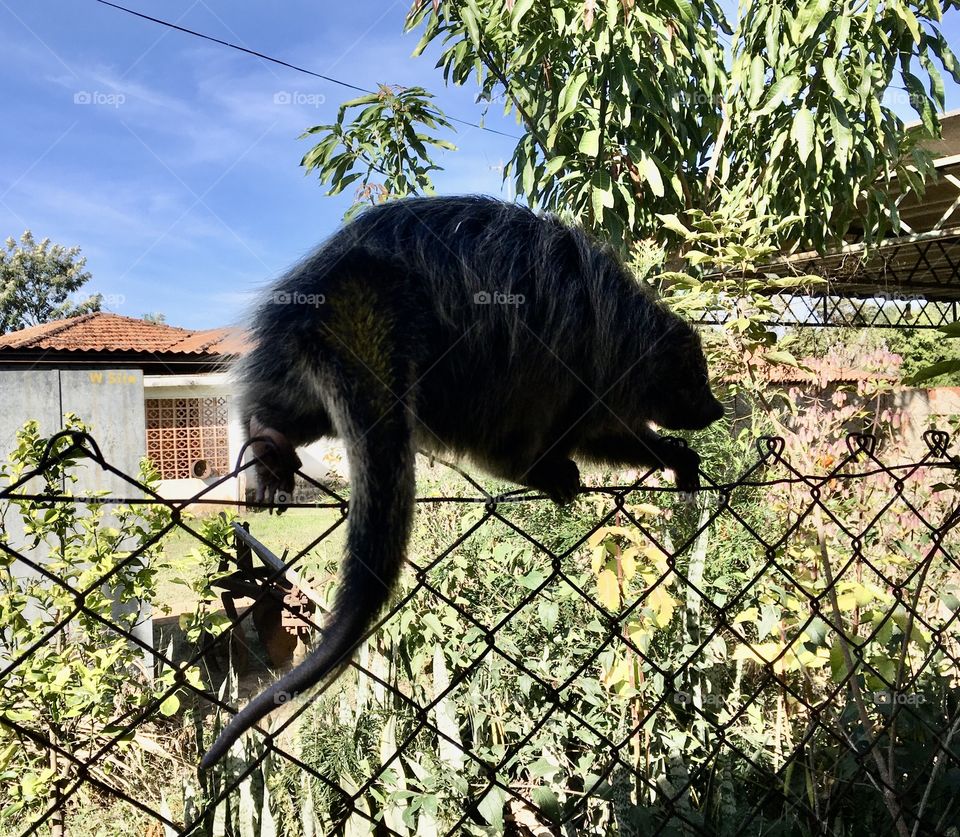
(380, 451)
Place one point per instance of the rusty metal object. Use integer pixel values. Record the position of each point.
(283, 603)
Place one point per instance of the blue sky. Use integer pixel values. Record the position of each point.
(179, 178)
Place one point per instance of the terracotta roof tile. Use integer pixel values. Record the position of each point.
(217, 341)
(105, 332)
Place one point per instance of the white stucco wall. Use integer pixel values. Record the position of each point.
(321, 460)
(209, 385)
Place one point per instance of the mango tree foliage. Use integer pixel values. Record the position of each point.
(617, 101)
(385, 145)
(629, 110)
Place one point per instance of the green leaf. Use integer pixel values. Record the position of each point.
(802, 132)
(758, 81)
(553, 165)
(810, 17)
(697, 257)
(527, 176)
(597, 197)
(686, 11)
(834, 78)
(908, 17)
(548, 612)
(781, 92)
(520, 8)
(950, 600)
(491, 807)
(470, 21)
(942, 50)
(842, 139)
(838, 661)
(651, 173)
(370, 98)
(548, 803)
(570, 96)
(590, 142)
(937, 91)
(935, 370)
(782, 358)
(673, 223)
(432, 621)
(170, 706)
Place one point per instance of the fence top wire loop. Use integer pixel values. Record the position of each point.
(937, 441)
(771, 448)
(858, 443)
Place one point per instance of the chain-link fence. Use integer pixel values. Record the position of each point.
(779, 656)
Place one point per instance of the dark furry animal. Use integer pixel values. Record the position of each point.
(468, 326)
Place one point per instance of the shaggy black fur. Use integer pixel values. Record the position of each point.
(464, 326)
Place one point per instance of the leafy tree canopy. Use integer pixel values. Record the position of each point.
(630, 111)
(37, 280)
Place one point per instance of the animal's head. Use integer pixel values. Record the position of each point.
(681, 398)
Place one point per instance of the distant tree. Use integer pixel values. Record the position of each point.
(37, 280)
(155, 317)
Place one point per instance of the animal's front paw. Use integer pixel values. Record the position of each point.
(559, 479)
(685, 464)
(276, 463)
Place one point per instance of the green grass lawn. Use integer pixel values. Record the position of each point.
(292, 531)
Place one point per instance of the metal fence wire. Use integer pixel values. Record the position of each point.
(778, 656)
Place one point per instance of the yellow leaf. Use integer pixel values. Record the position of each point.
(760, 653)
(815, 659)
(628, 562)
(750, 614)
(610, 531)
(868, 594)
(170, 705)
(655, 556)
(608, 590)
(637, 633)
(663, 605)
(629, 533)
(597, 559)
(645, 510)
(618, 674)
(597, 537)
(847, 601)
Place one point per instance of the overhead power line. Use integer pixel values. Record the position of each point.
(282, 63)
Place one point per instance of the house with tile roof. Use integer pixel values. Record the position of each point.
(145, 388)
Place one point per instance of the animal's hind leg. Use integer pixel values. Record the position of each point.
(274, 451)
